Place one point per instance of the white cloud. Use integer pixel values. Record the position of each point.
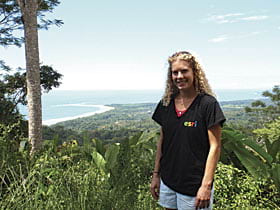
(221, 38)
(255, 18)
(235, 17)
(224, 21)
(227, 18)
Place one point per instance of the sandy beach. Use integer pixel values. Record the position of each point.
(102, 108)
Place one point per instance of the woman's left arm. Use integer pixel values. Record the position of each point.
(204, 192)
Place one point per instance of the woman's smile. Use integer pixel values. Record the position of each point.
(182, 74)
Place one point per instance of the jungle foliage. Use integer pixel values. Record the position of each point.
(107, 176)
(266, 111)
(77, 170)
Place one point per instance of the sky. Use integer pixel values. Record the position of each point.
(125, 44)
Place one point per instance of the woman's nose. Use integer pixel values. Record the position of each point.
(180, 75)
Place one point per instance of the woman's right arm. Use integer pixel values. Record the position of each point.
(155, 184)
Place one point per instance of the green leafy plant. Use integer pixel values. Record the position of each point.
(235, 189)
(259, 161)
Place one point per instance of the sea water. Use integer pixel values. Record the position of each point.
(59, 105)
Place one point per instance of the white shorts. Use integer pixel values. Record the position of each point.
(170, 199)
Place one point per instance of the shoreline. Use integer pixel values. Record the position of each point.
(102, 109)
(105, 108)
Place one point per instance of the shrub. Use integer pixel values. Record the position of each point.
(235, 189)
(115, 176)
(66, 178)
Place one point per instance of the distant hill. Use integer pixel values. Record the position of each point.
(139, 116)
(129, 119)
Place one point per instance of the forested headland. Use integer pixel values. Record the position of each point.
(129, 119)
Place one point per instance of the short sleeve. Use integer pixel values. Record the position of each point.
(214, 115)
(158, 114)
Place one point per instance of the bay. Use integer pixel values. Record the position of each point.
(61, 105)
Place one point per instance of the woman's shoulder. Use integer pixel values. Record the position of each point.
(207, 98)
(163, 103)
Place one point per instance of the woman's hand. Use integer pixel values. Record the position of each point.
(203, 197)
(155, 184)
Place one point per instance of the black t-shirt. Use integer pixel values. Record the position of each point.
(185, 144)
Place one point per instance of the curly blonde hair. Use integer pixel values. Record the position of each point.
(200, 81)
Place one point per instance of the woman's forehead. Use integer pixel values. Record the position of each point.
(180, 64)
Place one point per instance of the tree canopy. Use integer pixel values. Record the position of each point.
(266, 112)
(13, 90)
(11, 20)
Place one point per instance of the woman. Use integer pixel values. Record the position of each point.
(190, 139)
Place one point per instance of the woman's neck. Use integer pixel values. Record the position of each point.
(187, 94)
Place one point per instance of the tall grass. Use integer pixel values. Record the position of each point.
(67, 177)
(70, 177)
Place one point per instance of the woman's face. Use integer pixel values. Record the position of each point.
(182, 74)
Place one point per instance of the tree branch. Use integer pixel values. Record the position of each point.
(21, 4)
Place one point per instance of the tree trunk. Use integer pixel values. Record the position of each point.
(29, 10)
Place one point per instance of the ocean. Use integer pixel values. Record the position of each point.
(62, 105)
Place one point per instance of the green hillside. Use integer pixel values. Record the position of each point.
(105, 161)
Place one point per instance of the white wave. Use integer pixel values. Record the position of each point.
(80, 105)
(102, 109)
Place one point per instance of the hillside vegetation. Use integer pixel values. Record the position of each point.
(129, 119)
(105, 161)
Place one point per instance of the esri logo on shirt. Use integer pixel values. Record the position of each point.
(190, 123)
